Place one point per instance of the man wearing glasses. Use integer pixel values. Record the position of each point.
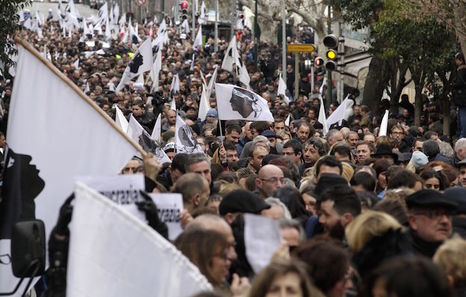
(270, 179)
(429, 214)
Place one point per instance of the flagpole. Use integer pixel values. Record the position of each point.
(78, 91)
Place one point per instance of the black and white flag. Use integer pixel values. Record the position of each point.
(235, 103)
(141, 62)
(185, 140)
(141, 136)
(54, 134)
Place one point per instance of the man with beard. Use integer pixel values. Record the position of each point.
(338, 207)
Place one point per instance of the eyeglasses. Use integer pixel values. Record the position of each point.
(273, 179)
(433, 213)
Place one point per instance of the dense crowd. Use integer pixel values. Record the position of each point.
(347, 200)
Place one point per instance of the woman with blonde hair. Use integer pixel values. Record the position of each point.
(451, 258)
(373, 237)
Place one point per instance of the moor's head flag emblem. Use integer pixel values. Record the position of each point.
(135, 63)
(22, 184)
(244, 102)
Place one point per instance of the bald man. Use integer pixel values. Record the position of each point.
(270, 179)
(216, 223)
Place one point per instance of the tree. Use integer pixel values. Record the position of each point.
(422, 46)
(8, 25)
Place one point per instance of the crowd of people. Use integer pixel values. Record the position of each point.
(360, 214)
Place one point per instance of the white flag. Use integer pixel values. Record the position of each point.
(133, 34)
(112, 253)
(103, 15)
(235, 103)
(288, 119)
(322, 117)
(324, 83)
(157, 132)
(76, 64)
(198, 40)
(201, 19)
(384, 125)
(173, 104)
(203, 105)
(155, 71)
(141, 62)
(141, 136)
(231, 56)
(185, 140)
(44, 153)
(339, 114)
(116, 12)
(185, 26)
(175, 85)
(211, 83)
(120, 119)
(282, 89)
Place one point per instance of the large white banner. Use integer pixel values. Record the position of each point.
(53, 135)
(235, 103)
(114, 254)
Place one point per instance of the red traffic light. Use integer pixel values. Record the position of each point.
(318, 62)
(184, 5)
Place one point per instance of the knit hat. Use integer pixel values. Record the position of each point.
(419, 159)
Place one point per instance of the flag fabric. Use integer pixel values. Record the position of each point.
(339, 114)
(235, 103)
(120, 119)
(282, 89)
(322, 118)
(288, 119)
(155, 71)
(384, 125)
(185, 140)
(198, 40)
(133, 34)
(103, 15)
(76, 64)
(140, 63)
(201, 19)
(141, 136)
(175, 85)
(116, 13)
(173, 104)
(231, 56)
(157, 131)
(185, 26)
(203, 105)
(324, 83)
(47, 112)
(211, 83)
(113, 253)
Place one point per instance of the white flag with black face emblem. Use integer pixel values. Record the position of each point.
(141, 136)
(231, 56)
(185, 140)
(141, 62)
(235, 103)
(49, 144)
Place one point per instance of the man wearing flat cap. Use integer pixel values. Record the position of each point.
(429, 214)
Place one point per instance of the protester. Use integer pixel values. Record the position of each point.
(381, 195)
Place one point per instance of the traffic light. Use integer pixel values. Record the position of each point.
(331, 42)
(318, 62)
(184, 10)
